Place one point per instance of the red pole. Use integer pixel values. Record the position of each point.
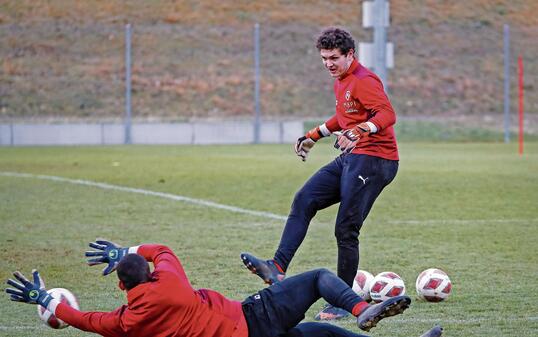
(520, 72)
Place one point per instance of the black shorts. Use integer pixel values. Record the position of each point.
(278, 310)
(271, 312)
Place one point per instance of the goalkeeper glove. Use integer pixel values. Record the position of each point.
(305, 143)
(348, 140)
(28, 292)
(107, 252)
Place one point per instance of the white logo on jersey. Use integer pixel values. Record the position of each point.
(363, 180)
(348, 95)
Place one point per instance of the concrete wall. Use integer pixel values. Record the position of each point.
(148, 133)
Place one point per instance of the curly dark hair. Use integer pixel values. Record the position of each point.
(332, 38)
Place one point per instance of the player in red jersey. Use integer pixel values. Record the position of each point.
(363, 123)
(163, 302)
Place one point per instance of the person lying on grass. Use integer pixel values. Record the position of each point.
(163, 302)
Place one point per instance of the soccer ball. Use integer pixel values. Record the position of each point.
(362, 283)
(386, 285)
(64, 296)
(433, 285)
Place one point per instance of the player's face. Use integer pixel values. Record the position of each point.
(336, 62)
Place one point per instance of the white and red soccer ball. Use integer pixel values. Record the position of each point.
(433, 285)
(386, 285)
(361, 284)
(64, 296)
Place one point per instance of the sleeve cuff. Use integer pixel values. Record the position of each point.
(373, 128)
(52, 305)
(324, 130)
(133, 250)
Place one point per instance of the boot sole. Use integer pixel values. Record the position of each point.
(392, 309)
(250, 266)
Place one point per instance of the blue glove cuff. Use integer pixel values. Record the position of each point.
(44, 298)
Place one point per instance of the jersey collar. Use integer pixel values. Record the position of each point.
(354, 65)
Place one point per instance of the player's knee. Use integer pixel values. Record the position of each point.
(304, 202)
(323, 278)
(317, 273)
(322, 271)
(346, 238)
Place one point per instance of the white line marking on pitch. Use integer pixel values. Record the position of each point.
(463, 321)
(20, 327)
(234, 209)
(458, 221)
(146, 192)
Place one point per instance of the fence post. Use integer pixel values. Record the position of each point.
(521, 109)
(127, 121)
(506, 83)
(11, 135)
(257, 112)
(380, 41)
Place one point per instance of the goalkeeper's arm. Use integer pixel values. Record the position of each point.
(34, 292)
(102, 323)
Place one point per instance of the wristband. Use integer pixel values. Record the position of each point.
(318, 132)
(373, 128)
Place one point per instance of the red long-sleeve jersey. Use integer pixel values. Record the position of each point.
(166, 306)
(360, 97)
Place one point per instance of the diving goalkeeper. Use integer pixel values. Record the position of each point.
(163, 302)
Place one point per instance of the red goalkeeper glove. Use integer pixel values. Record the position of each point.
(348, 140)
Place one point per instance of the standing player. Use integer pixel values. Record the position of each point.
(364, 120)
(163, 302)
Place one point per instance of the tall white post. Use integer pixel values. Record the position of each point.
(506, 83)
(380, 40)
(127, 120)
(257, 113)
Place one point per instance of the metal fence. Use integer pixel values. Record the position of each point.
(74, 72)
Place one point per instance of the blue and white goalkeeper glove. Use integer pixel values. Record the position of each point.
(107, 252)
(28, 292)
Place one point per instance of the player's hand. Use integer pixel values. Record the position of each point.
(348, 140)
(303, 146)
(28, 292)
(107, 252)
(305, 143)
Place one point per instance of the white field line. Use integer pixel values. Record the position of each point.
(21, 327)
(201, 202)
(442, 321)
(459, 221)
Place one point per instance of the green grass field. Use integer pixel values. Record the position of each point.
(469, 209)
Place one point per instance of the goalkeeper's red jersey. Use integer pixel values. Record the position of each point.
(360, 97)
(166, 306)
